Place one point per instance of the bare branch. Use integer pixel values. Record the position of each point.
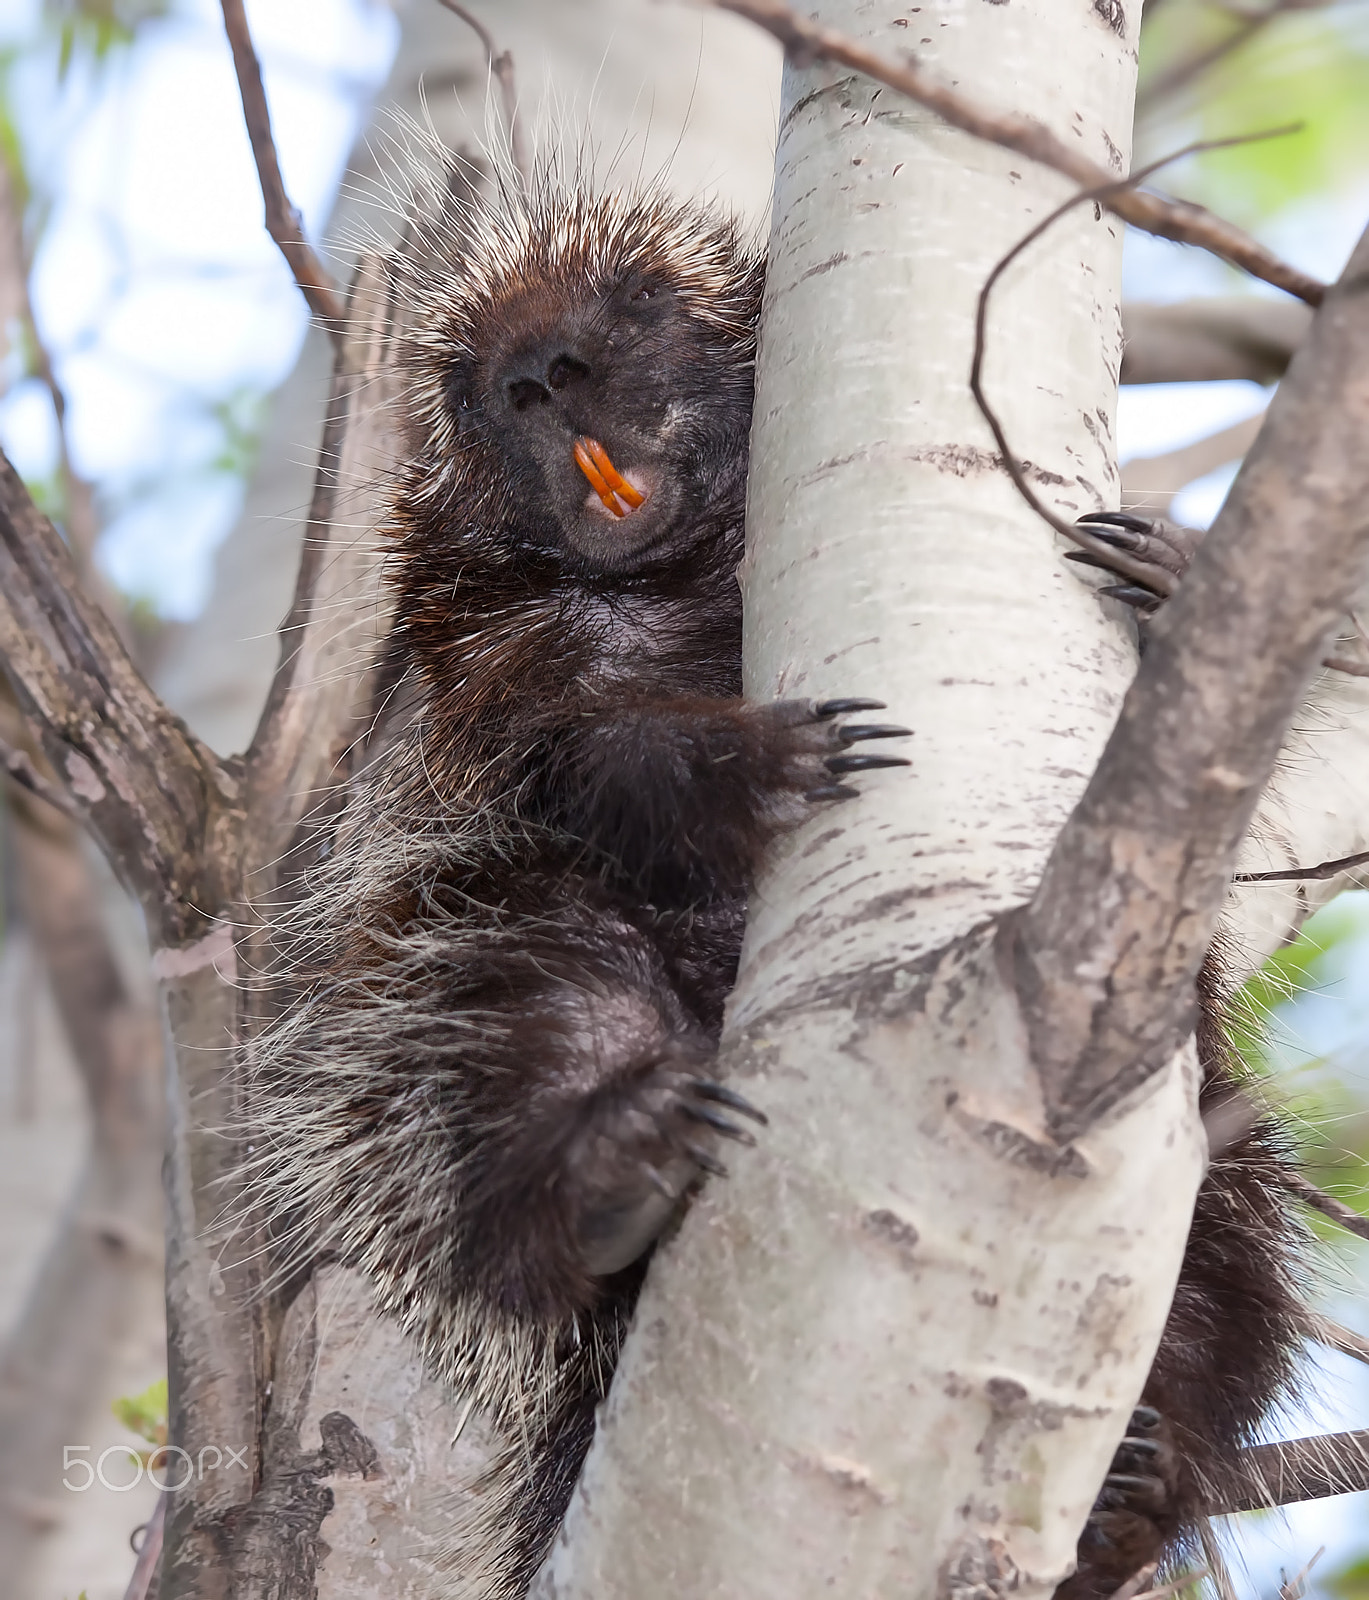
(82, 524)
(1183, 72)
(1327, 1204)
(101, 1274)
(1109, 947)
(1318, 874)
(1148, 574)
(155, 797)
(1295, 1588)
(1182, 1582)
(328, 640)
(1336, 1337)
(21, 769)
(1136, 1582)
(282, 220)
(500, 64)
(1301, 1469)
(1222, 336)
(805, 42)
(1150, 483)
(149, 1553)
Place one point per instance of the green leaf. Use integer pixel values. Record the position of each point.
(145, 1413)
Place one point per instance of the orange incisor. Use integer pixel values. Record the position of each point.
(608, 483)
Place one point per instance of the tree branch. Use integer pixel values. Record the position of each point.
(282, 219)
(1321, 873)
(149, 1553)
(1109, 947)
(156, 798)
(100, 1278)
(328, 639)
(500, 64)
(1337, 1210)
(1223, 336)
(1301, 1469)
(1183, 72)
(806, 42)
(22, 771)
(1336, 1337)
(1150, 483)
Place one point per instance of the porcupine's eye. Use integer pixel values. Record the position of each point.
(459, 388)
(639, 287)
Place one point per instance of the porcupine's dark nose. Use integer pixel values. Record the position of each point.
(536, 375)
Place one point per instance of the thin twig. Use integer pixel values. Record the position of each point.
(149, 1552)
(1296, 1587)
(805, 43)
(1320, 873)
(282, 220)
(81, 523)
(1335, 1336)
(1181, 1582)
(1136, 1582)
(1348, 665)
(1327, 1204)
(1144, 573)
(17, 766)
(500, 64)
(1182, 73)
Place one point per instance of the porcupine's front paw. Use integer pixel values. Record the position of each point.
(1133, 1518)
(642, 1141)
(680, 797)
(812, 745)
(1148, 555)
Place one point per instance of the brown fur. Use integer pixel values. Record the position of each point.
(515, 958)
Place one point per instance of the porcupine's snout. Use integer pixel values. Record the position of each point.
(594, 390)
(539, 378)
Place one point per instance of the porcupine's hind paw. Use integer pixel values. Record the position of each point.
(1134, 1516)
(643, 1140)
(1151, 556)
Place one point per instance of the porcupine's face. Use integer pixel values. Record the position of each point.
(610, 373)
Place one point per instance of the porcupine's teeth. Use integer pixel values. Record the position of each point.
(617, 494)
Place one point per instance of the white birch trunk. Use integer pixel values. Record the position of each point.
(893, 1354)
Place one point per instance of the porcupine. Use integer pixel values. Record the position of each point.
(496, 1084)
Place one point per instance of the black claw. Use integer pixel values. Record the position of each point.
(1131, 594)
(863, 763)
(832, 791)
(728, 1097)
(658, 1182)
(854, 731)
(1139, 1447)
(705, 1159)
(1128, 1481)
(1086, 558)
(720, 1124)
(843, 708)
(1145, 1418)
(1123, 520)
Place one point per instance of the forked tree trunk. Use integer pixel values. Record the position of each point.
(893, 1354)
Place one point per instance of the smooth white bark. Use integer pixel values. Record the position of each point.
(892, 1355)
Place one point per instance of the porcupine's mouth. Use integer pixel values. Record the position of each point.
(619, 497)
